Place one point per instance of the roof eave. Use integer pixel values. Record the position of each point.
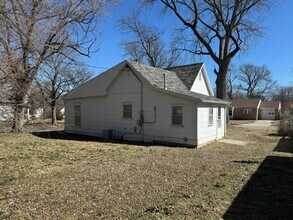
(216, 101)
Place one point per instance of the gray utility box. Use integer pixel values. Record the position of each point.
(108, 134)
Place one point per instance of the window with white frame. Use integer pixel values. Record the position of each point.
(77, 115)
(127, 110)
(247, 111)
(177, 115)
(219, 116)
(211, 116)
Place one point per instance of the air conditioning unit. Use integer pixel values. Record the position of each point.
(108, 134)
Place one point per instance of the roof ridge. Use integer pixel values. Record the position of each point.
(192, 64)
(149, 66)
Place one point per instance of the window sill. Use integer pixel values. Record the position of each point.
(176, 125)
(210, 125)
(127, 118)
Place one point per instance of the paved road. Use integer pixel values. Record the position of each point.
(260, 124)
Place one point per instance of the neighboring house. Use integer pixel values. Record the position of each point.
(254, 109)
(244, 109)
(143, 103)
(6, 113)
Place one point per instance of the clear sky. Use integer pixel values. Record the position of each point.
(275, 49)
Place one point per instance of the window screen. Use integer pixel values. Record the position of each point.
(77, 116)
(177, 115)
(127, 111)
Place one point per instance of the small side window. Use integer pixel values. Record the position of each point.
(219, 117)
(211, 116)
(127, 110)
(177, 115)
(247, 111)
(77, 116)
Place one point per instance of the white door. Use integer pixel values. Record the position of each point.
(268, 114)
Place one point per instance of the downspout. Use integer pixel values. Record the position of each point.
(141, 119)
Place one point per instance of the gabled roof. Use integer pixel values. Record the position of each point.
(173, 83)
(269, 104)
(187, 73)
(245, 103)
(155, 78)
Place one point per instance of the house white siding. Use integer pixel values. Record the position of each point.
(163, 130)
(101, 103)
(206, 132)
(105, 112)
(199, 84)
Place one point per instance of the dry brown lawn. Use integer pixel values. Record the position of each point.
(55, 178)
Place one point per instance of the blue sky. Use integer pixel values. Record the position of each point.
(274, 49)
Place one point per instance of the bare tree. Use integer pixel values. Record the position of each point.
(231, 87)
(219, 29)
(33, 30)
(283, 94)
(59, 75)
(145, 45)
(255, 81)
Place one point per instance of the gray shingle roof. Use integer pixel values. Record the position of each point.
(173, 82)
(269, 104)
(245, 103)
(187, 73)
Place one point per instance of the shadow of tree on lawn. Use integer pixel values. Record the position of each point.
(268, 194)
(62, 135)
(285, 145)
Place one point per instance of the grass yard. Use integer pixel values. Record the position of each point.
(56, 178)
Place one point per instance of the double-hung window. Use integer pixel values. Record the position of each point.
(177, 115)
(127, 110)
(211, 116)
(77, 115)
(219, 116)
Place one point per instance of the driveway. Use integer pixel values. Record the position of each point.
(260, 124)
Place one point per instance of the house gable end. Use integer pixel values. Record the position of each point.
(98, 85)
(202, 83)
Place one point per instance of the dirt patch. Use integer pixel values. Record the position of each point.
(236, 142)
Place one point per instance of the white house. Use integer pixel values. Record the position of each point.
(143, 103)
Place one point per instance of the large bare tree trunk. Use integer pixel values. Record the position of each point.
(18, 121)
(53, 113)
(221, 81)
(19, 111)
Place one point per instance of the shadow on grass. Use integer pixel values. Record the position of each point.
(62, 135)
(268, 194)
(285, 145)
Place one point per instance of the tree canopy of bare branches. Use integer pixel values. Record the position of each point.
(33, 30)
(58, 75)
(255, 81)
(217, 28)
(145, 45)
